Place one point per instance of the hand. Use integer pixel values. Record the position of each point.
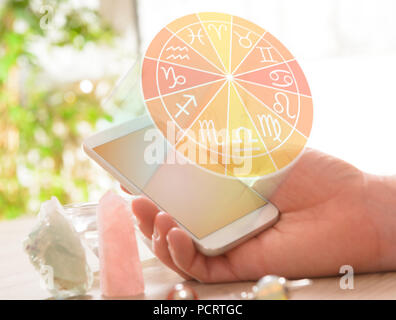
(332, 214)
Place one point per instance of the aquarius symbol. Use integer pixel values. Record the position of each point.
(177, 48)
(287, 79)
(217, 29)
(176, 79)
(195, 36)
(191, 98)
(248, 43)
(266, 54)
(279, 107)
(271, 128)
(179, 56)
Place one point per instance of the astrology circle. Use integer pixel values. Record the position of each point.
(225, 92)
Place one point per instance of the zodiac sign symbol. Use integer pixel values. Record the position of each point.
(217, 29)
(177, 48)
(266, 54)
(196, 36)
(272, 127)
(210, 131)
(249, 139)
(191, 98)
(279, 107)
(179, 56)
(287, 78)
(176, 79)
(244, 41)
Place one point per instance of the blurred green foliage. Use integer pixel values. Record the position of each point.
(40, 126)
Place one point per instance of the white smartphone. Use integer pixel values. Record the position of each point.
(218, 212)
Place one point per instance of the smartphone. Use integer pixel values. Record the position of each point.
(218, 212)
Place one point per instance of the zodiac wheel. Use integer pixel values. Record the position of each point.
(227, 89)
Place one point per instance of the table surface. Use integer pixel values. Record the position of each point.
(19, 280)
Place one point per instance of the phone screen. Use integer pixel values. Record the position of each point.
(201, 201)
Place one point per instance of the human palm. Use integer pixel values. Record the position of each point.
(329, 217)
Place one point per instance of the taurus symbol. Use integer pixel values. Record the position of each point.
(244, 41)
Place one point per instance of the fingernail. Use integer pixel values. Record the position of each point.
(169, 246)
(156, 234)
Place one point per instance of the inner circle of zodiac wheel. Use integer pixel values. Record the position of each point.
(227, 95)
